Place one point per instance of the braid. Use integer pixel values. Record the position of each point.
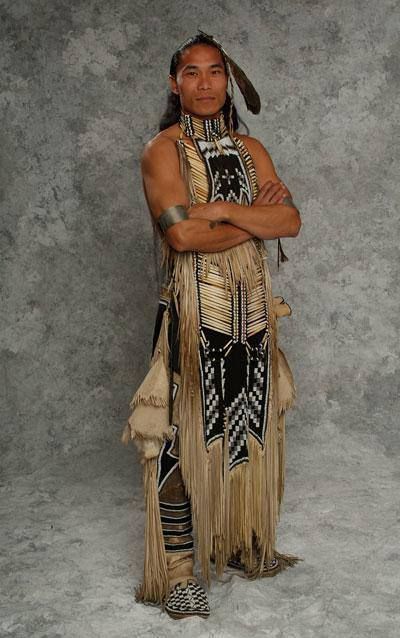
(230, 117)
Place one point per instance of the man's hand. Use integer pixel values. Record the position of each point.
(271, 193)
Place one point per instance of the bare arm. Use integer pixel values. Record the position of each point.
(268, 217)
(276, 219)
(164, 187)
(266, 222)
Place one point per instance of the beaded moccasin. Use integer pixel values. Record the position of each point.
(187, 600)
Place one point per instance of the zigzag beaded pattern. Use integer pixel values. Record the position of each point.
(238, 425)
(260, 369)
(189, 600)
(212, 403)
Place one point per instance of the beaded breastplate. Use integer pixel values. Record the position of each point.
(234, 322)
(227, 176)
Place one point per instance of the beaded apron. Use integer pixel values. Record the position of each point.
(234, 326)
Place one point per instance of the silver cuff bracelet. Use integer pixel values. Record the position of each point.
(172, 215)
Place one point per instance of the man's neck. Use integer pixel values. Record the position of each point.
(207, 128)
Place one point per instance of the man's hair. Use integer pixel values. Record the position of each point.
(172, 111)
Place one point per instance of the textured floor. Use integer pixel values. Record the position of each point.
(83, 87)
(73, 546)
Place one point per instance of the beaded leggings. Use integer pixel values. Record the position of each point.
(175, 512)
(176, 518)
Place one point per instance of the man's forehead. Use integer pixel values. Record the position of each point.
(201, 56)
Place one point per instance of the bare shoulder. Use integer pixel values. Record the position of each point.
(254, 145)
(262, 160)
(162, 146)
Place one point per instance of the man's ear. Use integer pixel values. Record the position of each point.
(173, 84)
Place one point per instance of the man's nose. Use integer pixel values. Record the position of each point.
(204, 82)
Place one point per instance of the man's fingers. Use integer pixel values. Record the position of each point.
(279, 195)
(272, 193)
(274, 190)
(269, 188)
(265, 187)
(287, 191)
(263, 193)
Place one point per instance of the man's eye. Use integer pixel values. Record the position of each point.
(217, 71)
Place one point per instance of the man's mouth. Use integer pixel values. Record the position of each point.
(205, 98)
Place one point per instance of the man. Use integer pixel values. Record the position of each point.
(209, 417)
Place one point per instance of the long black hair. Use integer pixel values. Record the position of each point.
(172, 111)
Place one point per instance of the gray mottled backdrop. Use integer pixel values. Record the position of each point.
(83, 85)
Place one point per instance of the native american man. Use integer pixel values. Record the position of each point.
(209, 418)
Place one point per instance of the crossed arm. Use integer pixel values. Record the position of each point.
(216, 226)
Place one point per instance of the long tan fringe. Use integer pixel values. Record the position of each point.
(238, 263)
(228, 506)
(155, 586)
(153, 400)
(282, 458)
(235, 510)
(145, 423)
(284, 561)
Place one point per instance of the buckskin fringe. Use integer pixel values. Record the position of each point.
(236, 264)
(227, 506)
(286, 386)
(154, 388)
(155, 586)
(149, 417)
(234, 509)
(184, 291)
(284, 561)
(282, 458)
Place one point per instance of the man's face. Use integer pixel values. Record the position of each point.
(201, 81)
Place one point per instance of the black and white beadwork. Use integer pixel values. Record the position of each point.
(226, 171)
(237, 413)
(209, 128)
(212, 397)
(259, 382)
(236, 563)
(168, 459)
(189, 600)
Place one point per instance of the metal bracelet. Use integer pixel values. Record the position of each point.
(172, 215)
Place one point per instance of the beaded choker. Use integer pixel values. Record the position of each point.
(209, 129)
